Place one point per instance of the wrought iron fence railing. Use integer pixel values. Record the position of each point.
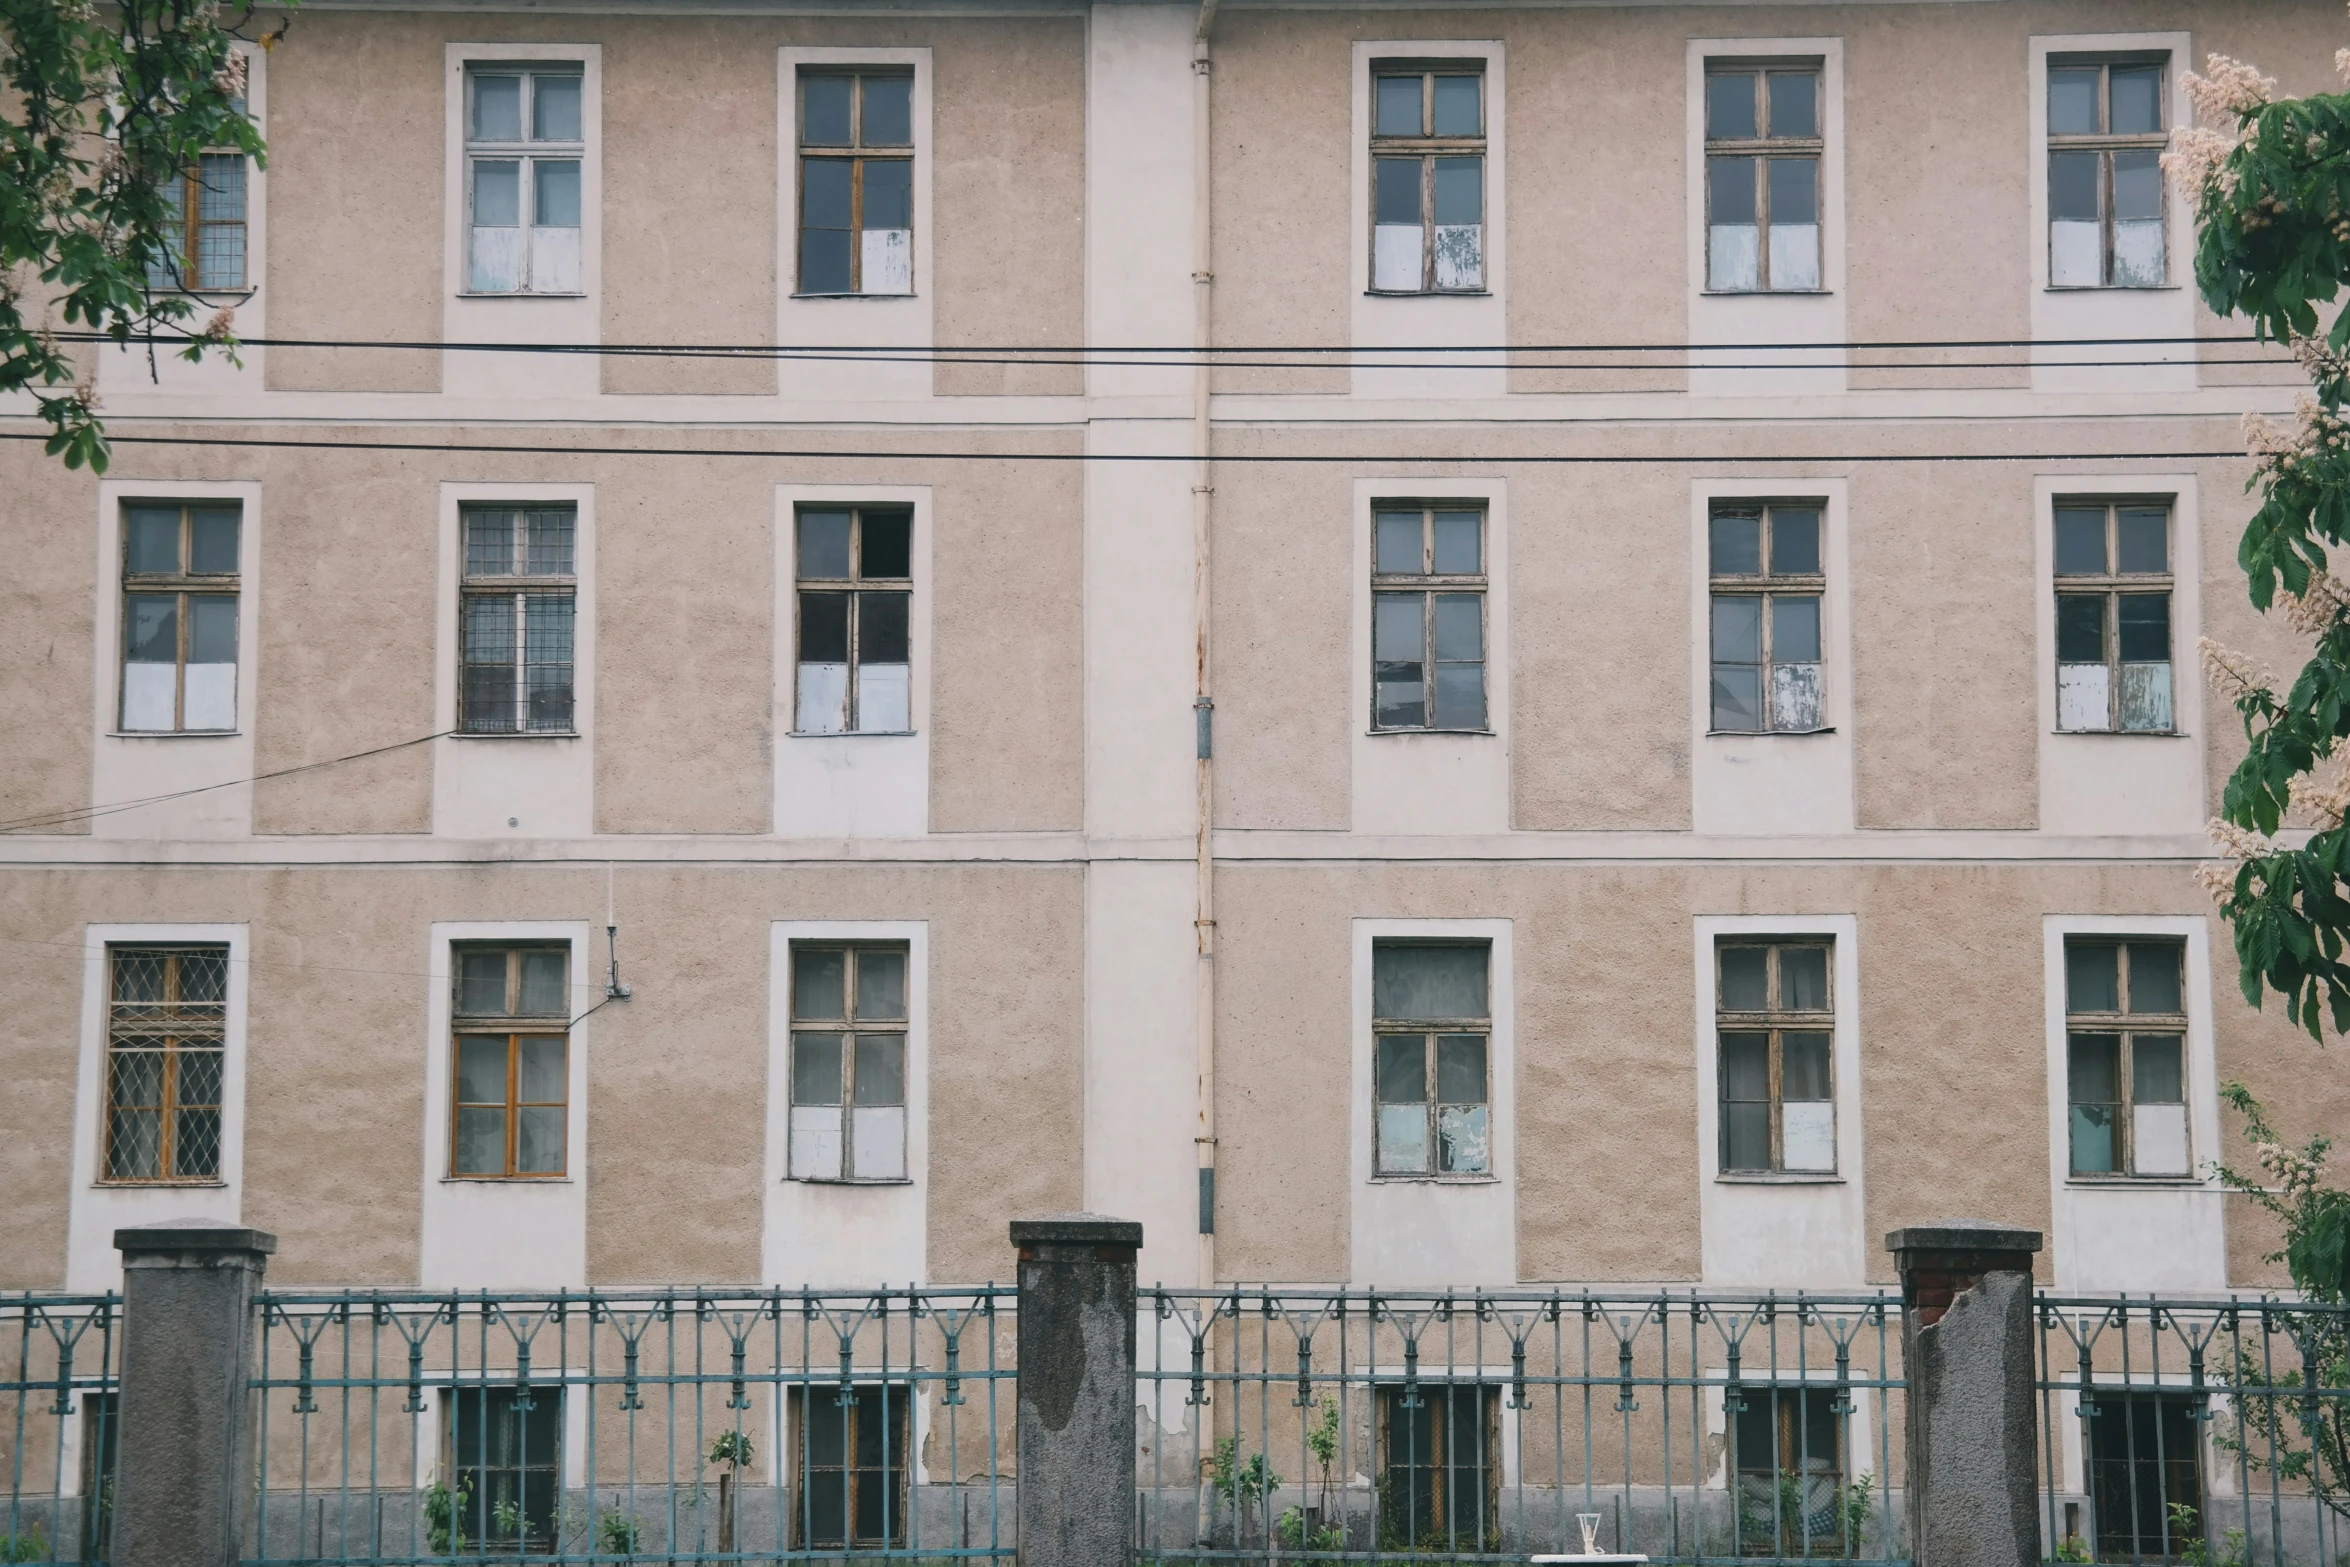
(1345, 1425)
(2211, 1433)
(606, 1425)
(58, 1438)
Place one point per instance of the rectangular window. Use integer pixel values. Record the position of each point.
(848, 1062)
(1776, 1027)
(1762, 178)
(524, 150)
(1439, 1488)
(166, 1043)
(2125, 1057)
(851, 1466)
(205, 227)
(1432, 1023)
(506, 1452)
(1767, 585)
(1427, 617)
(856, 182)
(1788, 1448)
(2113, 630)
(2145, 1458)
(513, 1035)
(515, 613)
(2106, 135)
(179, 617)
(855, 571)
(1427, 179)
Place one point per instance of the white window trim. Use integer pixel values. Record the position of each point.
(480, 1232)
(96, 1209)
(2186, 606)
(1795, 1229)
(1410, 1232)
(113, 494)
(590, 59)
(827, 1234)
(454, 498)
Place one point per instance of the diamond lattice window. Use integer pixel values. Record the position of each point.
(167, 1022)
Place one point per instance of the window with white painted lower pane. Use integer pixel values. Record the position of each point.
(2113, 616)
(855, 569)
(1775, 1026)
(525, 148)
(2106, 133)
(1763, 145)
(512, 1031)
(848, 1062)
(2125, 1057)
(515, 619)
(166, 1044)
(179, 616)
(1766, 589)
(1427, 178)
(856, 182)
(1432, 1037)
(1428, 587)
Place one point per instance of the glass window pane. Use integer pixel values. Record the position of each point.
(889, 196)
(1397, 634)
(555, 193)
(1737, 698)
(544, 992)
(1460, 1069)
(497, 108)
(1460, 626)
(481, 983)
(2137, 100)
(2080, 628)
(2094, 1069)
(2137, 185)
(481, 1143)
(1397, 543)
(1410, 980)
(549, 542)
(1746, 1136)
(1803, 1066)
(885, 547)
(1794, 103)
(889, 112)
(1463, 1144)
(151, 540)
(824, 260)
(489, 543)
(2072, 100)
(213, 543)
(1795, 542)
(881, 627)
(538, 1071)
(1729, 106)
(2156, 1076)
(818, 982)
(1795, 630)
(1803, 979)
(824, 110)
(1398, 111)
(151, 628)
(538, 1141)
(497, 193)
(2080, 541)
(554, 108)
(1729, 184)
(1403, 1069)
(881, 985)
(1795, 184)
(1460, 696)
(2154, 977)
(881, 1069)
(1745, 979)
(2092, 976)
(2144, 629)
(1736, 539)
(2092, 1139)
(1460, 191)
(1398, 190)
(481, 1069)
(825, 193)
(1458, 548)
(2143, 539)
(815, 1069)
(1403, 1139)
(2072, 187)
(1738, 628)
(824, 628)
(1456, 107)
(824, 544)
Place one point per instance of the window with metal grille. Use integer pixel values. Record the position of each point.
(855, 571)
(848, 1067)
(856, 182)
(1762, 177)
(2113, 624)
(1439, 1487)
(1427, 178)
(850, 1468)
(1427, 616)
(2145, 1460)
(512, 1029)
(525, 148)
(179, 616)
(515, 615)
(166, 1039)
(1775, 1023)
(2125, 1057)
(1767, 585)
(2106, 133)
(1788, 1451)
(1432, 1023)
(204, 231)
(506, 1453)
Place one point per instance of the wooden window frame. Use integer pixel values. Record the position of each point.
(1788, 1401)
(1430, 1031)
(1463, 1531)
(2125, 1026)
(519, 586)
(1428, 147)
(479, 1509)
(856, 154)
(2105, 144)
(182, 269)
(185, 1028)
(1763, 147)
(1767, 585)
(897, 1400)
(529, 151)
(849, 1027)
(2105, 1470)
(2114, 585)
(1428, 584)
(183, 585)
(1776, 1021)
(515, 1026)
(854, 586)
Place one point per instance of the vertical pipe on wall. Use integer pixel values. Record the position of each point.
(1202, 493)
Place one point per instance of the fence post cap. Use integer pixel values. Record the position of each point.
(1962, 1235)
(1076, 1229)
(193, 1235)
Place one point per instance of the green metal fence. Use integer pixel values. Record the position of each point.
(59, 1436)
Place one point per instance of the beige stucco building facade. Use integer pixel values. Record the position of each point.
(577, 657)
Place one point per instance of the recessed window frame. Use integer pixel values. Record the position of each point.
(1430, 586)
(1764, 147)
(858, 152)
(474, 1411)
(527, 151)
(2113, 585)
(1769, 584)
(1433, 1034)
(518, 1028)
(532, 597)
(2105, 143)
(1395, 1514)
(892, 1404)
(2125, 1025)
(1428, 147)
(185, 1033)
(850, 1029)
(1788, 1408)
(1778, 1019)
(857, 587)
(188, 587)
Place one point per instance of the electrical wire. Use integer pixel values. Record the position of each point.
(66, 818)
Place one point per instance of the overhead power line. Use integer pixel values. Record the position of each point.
(53, 820)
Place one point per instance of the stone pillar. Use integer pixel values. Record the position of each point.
(1974, 1456)
(183, 1487)
(1076, 1420)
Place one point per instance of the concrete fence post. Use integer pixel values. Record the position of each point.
(1966, 1339)
(1076, 1418)
(183, 1485)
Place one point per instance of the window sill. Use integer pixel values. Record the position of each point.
(173, 734)
(884, 297)
(512, 734)
(151, 1186)
(1767, 734)
(846, 1180)
(2115, 288)
(2112, 1183)
(506, 1180)
(1779, 1178)
(1768, 293)
(2124, 734)
(521, 293)
(1436, 1180)
(1386, 734)
(1429, 293)
(850, 734)
(240, 294)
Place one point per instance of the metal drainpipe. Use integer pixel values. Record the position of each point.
(1203, 705)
